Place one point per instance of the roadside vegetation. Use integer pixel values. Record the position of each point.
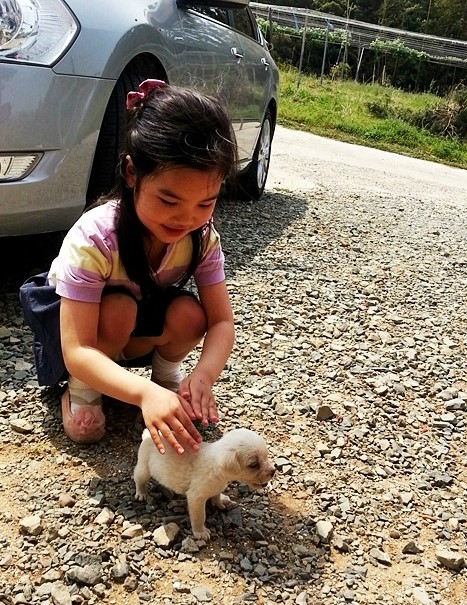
(421, 125)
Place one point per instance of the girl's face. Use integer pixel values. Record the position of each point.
(175, 202)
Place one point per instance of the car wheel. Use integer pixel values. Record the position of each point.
(250, 184)
(112, 132)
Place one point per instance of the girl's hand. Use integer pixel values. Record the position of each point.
(164, 412)
(197, 390)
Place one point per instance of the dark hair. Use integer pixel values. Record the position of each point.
(170, 127)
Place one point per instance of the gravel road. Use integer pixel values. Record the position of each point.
(348, 281)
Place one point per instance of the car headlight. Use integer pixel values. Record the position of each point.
(33, 31)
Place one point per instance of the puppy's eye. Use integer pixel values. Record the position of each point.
(254, 464)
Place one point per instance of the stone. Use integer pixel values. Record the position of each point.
(166, 535)
(450, 559)
(324, 531)
(32, 525)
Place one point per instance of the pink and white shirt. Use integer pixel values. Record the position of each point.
(89, 259)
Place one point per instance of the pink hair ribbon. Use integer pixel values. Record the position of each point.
(145, 87)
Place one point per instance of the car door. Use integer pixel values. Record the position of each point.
(256, 87)
(215, 63)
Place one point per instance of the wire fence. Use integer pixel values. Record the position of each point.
(445, 51)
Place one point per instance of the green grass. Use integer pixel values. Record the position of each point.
(366, 114)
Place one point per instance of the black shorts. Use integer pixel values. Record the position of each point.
(150, 316)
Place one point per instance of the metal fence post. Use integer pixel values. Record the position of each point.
(302, 52)
(329, 28)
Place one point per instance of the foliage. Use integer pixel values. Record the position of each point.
(387, 62)
(448, 118)
(447, 18)
(397, 48)
(378, 116)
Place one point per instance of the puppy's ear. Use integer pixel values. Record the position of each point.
(248, 459)
(232, 462)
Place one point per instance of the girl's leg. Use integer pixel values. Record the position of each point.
(184, 327)
(83, 418)
(117, 320)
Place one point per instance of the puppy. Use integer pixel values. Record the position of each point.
(240, 455)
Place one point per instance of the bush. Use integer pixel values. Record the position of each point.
(387, 62)
(448, 118)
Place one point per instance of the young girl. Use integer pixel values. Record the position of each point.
(122, 267)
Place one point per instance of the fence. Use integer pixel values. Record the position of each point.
(361, 35)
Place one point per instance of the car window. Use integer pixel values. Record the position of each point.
(243, 21)
(218, 14)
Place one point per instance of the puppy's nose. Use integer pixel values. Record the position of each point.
(273, 471)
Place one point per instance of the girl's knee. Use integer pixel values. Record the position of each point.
(117, 318)
(186, 317)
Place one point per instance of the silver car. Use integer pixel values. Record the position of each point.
(65, 70)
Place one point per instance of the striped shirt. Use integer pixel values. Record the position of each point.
(89, 259)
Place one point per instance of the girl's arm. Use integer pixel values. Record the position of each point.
(162, 410)
(217, 346)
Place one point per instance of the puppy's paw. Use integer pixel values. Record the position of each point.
(223, 502)
(140, 495)
(203, 534)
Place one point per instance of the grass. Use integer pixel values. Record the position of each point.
(366, 114)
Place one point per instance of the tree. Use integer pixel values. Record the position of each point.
(449, 19)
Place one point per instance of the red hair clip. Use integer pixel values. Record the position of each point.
(145, 87)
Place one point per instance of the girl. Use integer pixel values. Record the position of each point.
(122, 267)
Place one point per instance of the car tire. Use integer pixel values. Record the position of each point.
(112, 132)
(250, 184)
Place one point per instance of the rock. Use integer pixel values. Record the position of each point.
(181, 588)
(89, 575)
(380, 556)
(324, 531)
(166, 535)
(132, 531)
(105, 517)
(450, 559)
(20, 425)
(32, 525)
(189, 546)
(202, 594)
(302, 599)
(421, 596)
(60, 594)
(412, 548)
(324, 412)
(120, 571)
(66, 500)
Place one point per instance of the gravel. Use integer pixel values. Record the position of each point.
(350, 360)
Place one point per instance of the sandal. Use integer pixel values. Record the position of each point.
(86, 424)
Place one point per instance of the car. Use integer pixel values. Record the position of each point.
(65, 71)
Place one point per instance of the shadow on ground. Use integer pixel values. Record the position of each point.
(245, 232)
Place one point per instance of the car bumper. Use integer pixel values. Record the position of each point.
(58, 118)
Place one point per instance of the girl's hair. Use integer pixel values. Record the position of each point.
(169, 127)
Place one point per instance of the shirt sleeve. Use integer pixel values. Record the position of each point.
(210, 270)
(87, 259)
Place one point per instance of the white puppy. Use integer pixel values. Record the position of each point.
(240, 455)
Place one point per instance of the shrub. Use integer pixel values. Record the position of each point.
(448, 118)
